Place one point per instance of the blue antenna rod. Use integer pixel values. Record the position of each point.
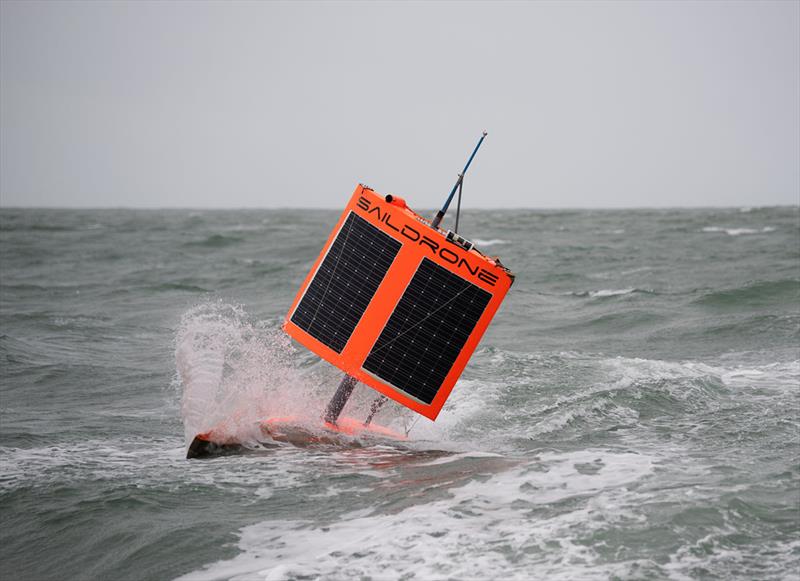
(440, 214)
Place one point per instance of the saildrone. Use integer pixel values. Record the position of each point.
(395, 302)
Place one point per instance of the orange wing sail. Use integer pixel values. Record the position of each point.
(396, 303)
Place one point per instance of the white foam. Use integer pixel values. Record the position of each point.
(698, 385)
(629, 372)
(575, 409)
(605, 293)
(635, 270)
(461, 418)
(712, 553)
(635, 372)
(491, 242)
(152, 462)
(739, 231)
(611, 292)
(458, 457)
(485, 527)
(783, 377)
(242, 228)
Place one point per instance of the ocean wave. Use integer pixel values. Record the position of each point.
(676, 459)
(622, 320)
(700, 384)
(590, 409)
(40, 227)
(464, 420)
(578, 393)
(24, 287)
(58, 464)
(739, 231)
(484, 526)
(681, 380)
(741, 331)
(605, 293)
(216, 241)
(760, 293)
(178, 286)
(636, 270)
(490, 242)
(621, 393)
(156, 464)
(719, 556)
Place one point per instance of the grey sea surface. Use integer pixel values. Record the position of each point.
(633, 412)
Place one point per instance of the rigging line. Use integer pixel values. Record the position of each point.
(411, 427)
(458, 207)
(428, 316)
(333, 272)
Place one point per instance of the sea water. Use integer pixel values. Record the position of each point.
(633, 412)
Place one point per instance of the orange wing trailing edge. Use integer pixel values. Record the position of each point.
(397, 303)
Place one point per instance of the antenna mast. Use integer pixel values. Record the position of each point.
(440, 214)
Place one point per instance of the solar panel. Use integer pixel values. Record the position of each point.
(345, 282)
(427, 331)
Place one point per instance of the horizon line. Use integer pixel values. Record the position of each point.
(335, 208)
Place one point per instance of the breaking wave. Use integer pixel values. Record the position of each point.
(482, 526)
(604, 293)
(761, 293)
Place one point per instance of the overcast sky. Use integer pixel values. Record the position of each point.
(271, 104)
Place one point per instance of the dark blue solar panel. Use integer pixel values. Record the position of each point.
(427, 331)
(345, 282)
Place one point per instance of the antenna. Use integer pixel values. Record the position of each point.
(440, 214)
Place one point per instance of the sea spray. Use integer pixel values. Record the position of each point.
(233, 372)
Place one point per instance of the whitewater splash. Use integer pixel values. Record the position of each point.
(233, 371)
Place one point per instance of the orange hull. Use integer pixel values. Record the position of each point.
(292, 430)
(277, 427)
